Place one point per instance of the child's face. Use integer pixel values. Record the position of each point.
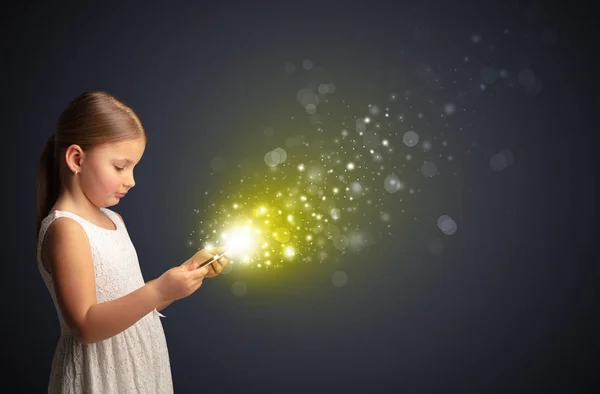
(107, 171)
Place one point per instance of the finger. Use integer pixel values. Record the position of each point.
(188, 263)
(199, 273)
(217, 267)
(193, 264)
(213, 269)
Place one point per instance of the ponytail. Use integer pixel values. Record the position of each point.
(91, 119)
(48, 182)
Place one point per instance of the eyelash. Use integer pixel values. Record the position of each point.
(119, 168)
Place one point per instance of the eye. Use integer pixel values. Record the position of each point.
(119, 168)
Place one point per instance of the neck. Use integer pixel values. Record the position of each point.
(74, 200)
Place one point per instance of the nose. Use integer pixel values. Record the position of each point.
(130, 182)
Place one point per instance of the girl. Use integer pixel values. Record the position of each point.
(112, 339)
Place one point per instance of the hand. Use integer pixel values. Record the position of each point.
(216, 267)
(180, 282)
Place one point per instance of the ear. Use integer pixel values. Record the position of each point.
(74, 157)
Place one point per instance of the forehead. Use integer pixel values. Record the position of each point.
(129, 149)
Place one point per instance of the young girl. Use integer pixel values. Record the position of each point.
(112, 339)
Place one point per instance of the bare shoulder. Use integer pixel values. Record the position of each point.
(63, 233)
(67, 255)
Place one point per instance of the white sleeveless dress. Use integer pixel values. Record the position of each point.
(133, 361)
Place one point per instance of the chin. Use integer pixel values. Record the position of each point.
(110, 204)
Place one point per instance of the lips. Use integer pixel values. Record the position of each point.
(121, 195)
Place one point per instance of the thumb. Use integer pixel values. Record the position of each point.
(191, 264)
(195, 264)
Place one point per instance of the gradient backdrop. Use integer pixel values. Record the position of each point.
(480, 272)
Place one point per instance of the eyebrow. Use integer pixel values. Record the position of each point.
(125, 160)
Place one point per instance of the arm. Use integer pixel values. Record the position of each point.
(66, 251)
(163, 304)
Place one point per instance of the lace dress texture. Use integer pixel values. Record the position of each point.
(133, 361)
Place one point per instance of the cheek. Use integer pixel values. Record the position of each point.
(105, 180)
(112, 182)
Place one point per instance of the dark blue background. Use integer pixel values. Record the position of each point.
(510, 306)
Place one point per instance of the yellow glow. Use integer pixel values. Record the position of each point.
(282, 235)
(289, 251)
(292, 194)
(278, 203)
(239, 240)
